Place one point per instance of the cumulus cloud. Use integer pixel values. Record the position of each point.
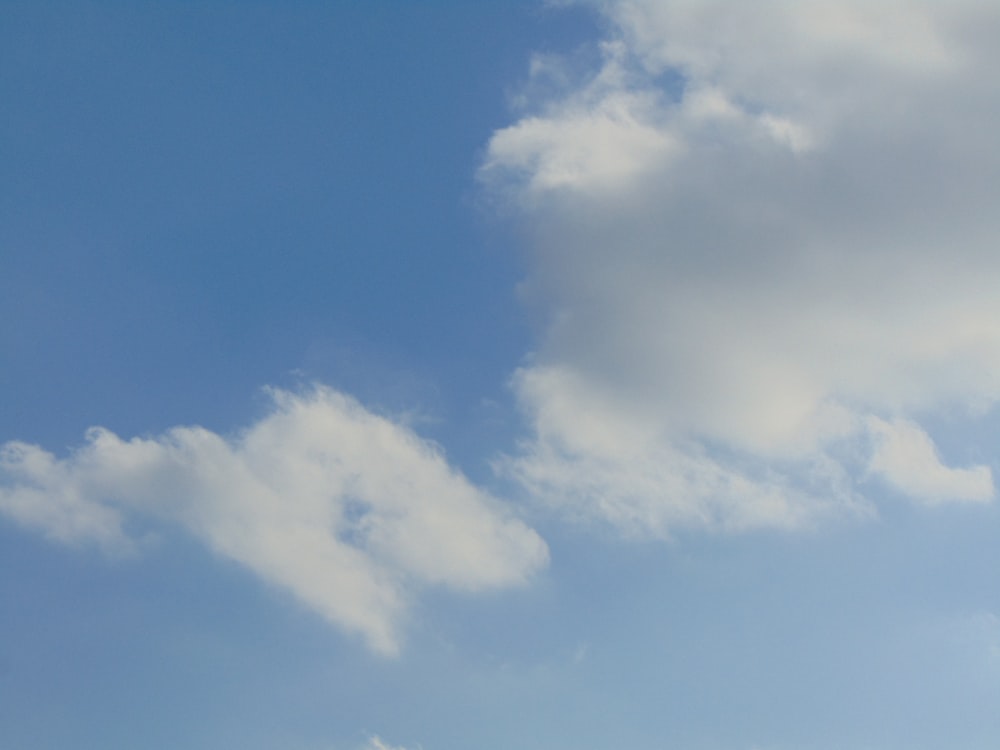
(347, 510)
(600, 139)
(764, 245)
(906, 457)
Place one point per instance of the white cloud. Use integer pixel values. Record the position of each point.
(596, 458)
(597, 139)
(907, 458)
(39, 494)
(377, 743)
(790, 262)
(347, 510)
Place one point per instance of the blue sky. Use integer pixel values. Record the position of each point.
(384, 376)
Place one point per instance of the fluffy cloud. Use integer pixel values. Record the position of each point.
(906, 457)
(345, 509)
(765, 248)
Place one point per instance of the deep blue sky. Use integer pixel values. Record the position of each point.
(203, 198)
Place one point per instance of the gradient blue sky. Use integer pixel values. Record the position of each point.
(499, 375)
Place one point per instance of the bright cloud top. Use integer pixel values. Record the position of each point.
(765, 243)
(345, 509)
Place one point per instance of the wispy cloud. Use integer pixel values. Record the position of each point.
(377, 743)
(762, 238)
(349, 511)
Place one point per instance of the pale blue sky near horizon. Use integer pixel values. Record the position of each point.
(484, 223)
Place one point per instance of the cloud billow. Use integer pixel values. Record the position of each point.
(349, 511)
(758, 283)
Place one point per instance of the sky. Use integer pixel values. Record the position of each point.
(537, 375)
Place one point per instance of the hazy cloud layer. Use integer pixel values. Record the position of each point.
(346, 509)
(764, 241)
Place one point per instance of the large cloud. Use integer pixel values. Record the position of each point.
(764, 239)
(346, 509)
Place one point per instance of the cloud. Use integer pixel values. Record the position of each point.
(347, 510)
(907, 458)
(598, 139)
(764, 251)
(377, 743)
